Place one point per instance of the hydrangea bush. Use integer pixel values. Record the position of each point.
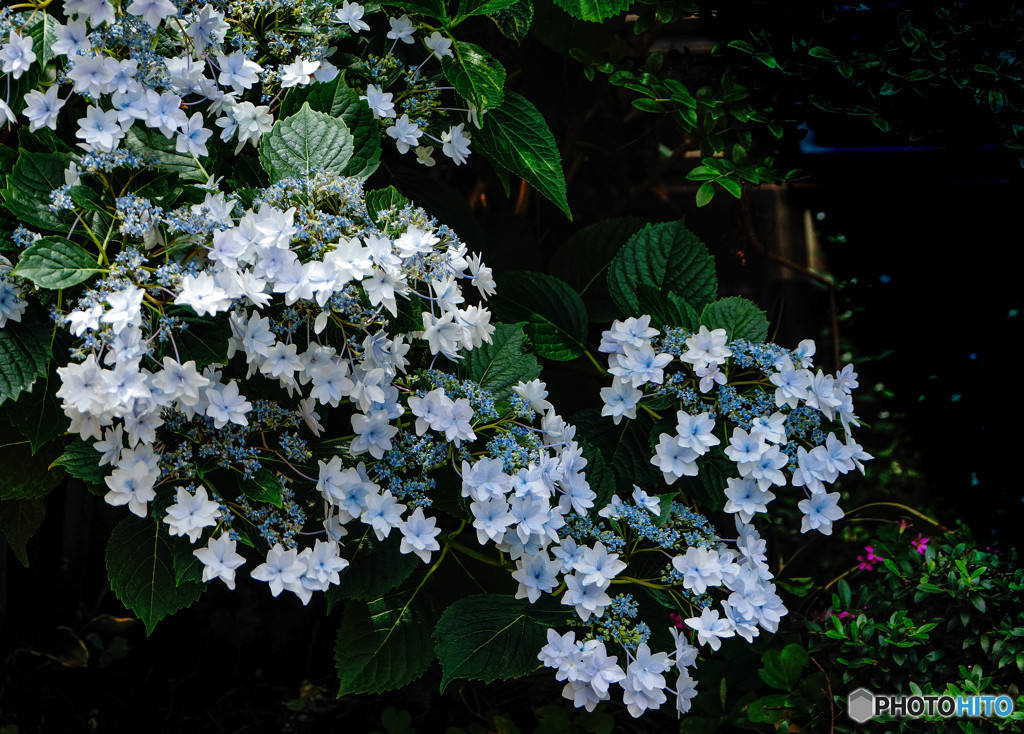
(282, 376)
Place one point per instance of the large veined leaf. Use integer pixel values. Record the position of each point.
(556, 319)
(382, 200)
(665, 309)
(43, 29)
(24, 354)
(37, 415)
(384, 644)
(491, 637)
(337, 99)
(626, 447)
(204, 341)
(140, 566)
(475, 74)
(430, 8)
(306, 141)
(502, 363)
(54, 263)
(600, 477)
(514, 21)
(583, 262)
(145, 140)
(82, 461)
(19, 521)
(708, 487)
(593, 10)
(516, 137)
(24, 475)
(483, 7)
(668, 257)
(265, 486)
(740, 318)
(29, 184)
(375, 568)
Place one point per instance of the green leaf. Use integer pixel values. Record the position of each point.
(491, 637)
(24, 354)
(502, 363)
(29, 184)
(337, 99)
(384, 644)
(708, 487)
(88, 199)
(43, 29)
(19, 521)
(483, 7)
(555, 315)
(516, 137)
(43, 140)
(476, 75)
(734, 187)
(799, 586)
(26, 476)
(514, 21)
(140, 566)
(593, 10)
(626, 447)
(666, 309)
(205, 341)
(740, 318)
(55, 263)
(305, 141)
(705, 193)
(375, 568)
(187, 568)
(82, 461)
(783, 669)
(600, 477)
(583, 262)
(844, 592)
(670, 258)
(38, 416)
(645, 104)
(430, 8)
(768, 709)
(264, 487)
(384, 199)
(151, 142)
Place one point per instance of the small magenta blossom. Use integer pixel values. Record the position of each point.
(868, 561)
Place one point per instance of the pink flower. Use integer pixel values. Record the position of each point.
(920, 544)
(867, 563)
(676, 620)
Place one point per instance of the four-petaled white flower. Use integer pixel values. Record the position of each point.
(455, 143)
(299, 72)
(405, 133)
(16, 56)
(193, 136)
(41, 108)
(191, 513)
(100, 130)
(401, 29)
(220, 560)
(440, 46)
(352, 15)
(153, 11)
(379, 101)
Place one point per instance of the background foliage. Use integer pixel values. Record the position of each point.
(900, 128)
